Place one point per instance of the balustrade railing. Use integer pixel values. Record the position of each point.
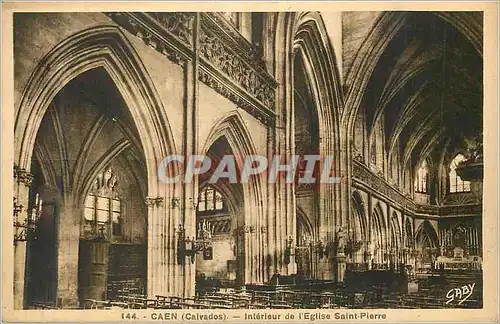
(363, 177)
(228, 62)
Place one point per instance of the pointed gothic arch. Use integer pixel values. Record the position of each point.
(426, 236)
(396, 234)
(379, 234)
(408, 235)
(106, 47)
(359, 218)
(310, 41)
(232, 127)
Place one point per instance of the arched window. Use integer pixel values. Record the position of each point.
(421, 178)
(456, 183)
(103, 207)
(210, 200)
(373, 151)
(377, 145)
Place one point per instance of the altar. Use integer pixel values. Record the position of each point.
(459, 261)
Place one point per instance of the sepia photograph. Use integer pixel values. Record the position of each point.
(326, 164)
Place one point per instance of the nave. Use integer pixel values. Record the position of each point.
(391, 102)
(426, 291)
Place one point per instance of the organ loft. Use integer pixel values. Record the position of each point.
(392, 102)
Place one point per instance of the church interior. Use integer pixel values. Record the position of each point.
(396, 98)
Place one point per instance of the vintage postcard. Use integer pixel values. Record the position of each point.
(249, 162)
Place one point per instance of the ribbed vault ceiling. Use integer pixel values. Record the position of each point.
(428, 84)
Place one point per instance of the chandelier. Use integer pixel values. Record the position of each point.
(318, 247)
(203, 237)
(23, 231)
(353, 245)
(189, 247)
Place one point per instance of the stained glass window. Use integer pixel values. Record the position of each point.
(210, 200)
(102, 212)
(421, 178)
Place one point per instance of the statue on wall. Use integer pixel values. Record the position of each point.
(341, 240)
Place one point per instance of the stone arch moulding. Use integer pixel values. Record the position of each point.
(305, 34)
(379, 218)
(306, 222)
(409, 233)
(380, 210)
(470, 27)
(309, 39)
(112, 153)
(105, 47)
(394, 223)
(232, 127)
(356, 196)
(426, 228)
(359, 205)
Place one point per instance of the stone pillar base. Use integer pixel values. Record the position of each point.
(340, 266)
(68, 302)
(19, 271)
(368, 261)
(325, 270)
(292, 267)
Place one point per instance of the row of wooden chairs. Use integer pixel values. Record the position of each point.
(242, 300)
(43, 305)
(130, 286)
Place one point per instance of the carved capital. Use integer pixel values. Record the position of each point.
(154, 201)
(23, 176)
(245, 229)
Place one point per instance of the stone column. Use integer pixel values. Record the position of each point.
(441, 241)
(19, 274)
(340, 266)
(68, 238)
(477, 243)
(270, 213)
(368, 260)
(22, 183)
(393, 261)
(191, 147)
(469, 242)
(155, 247)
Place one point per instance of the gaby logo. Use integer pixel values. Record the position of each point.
(300, 169)
(461, 294)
